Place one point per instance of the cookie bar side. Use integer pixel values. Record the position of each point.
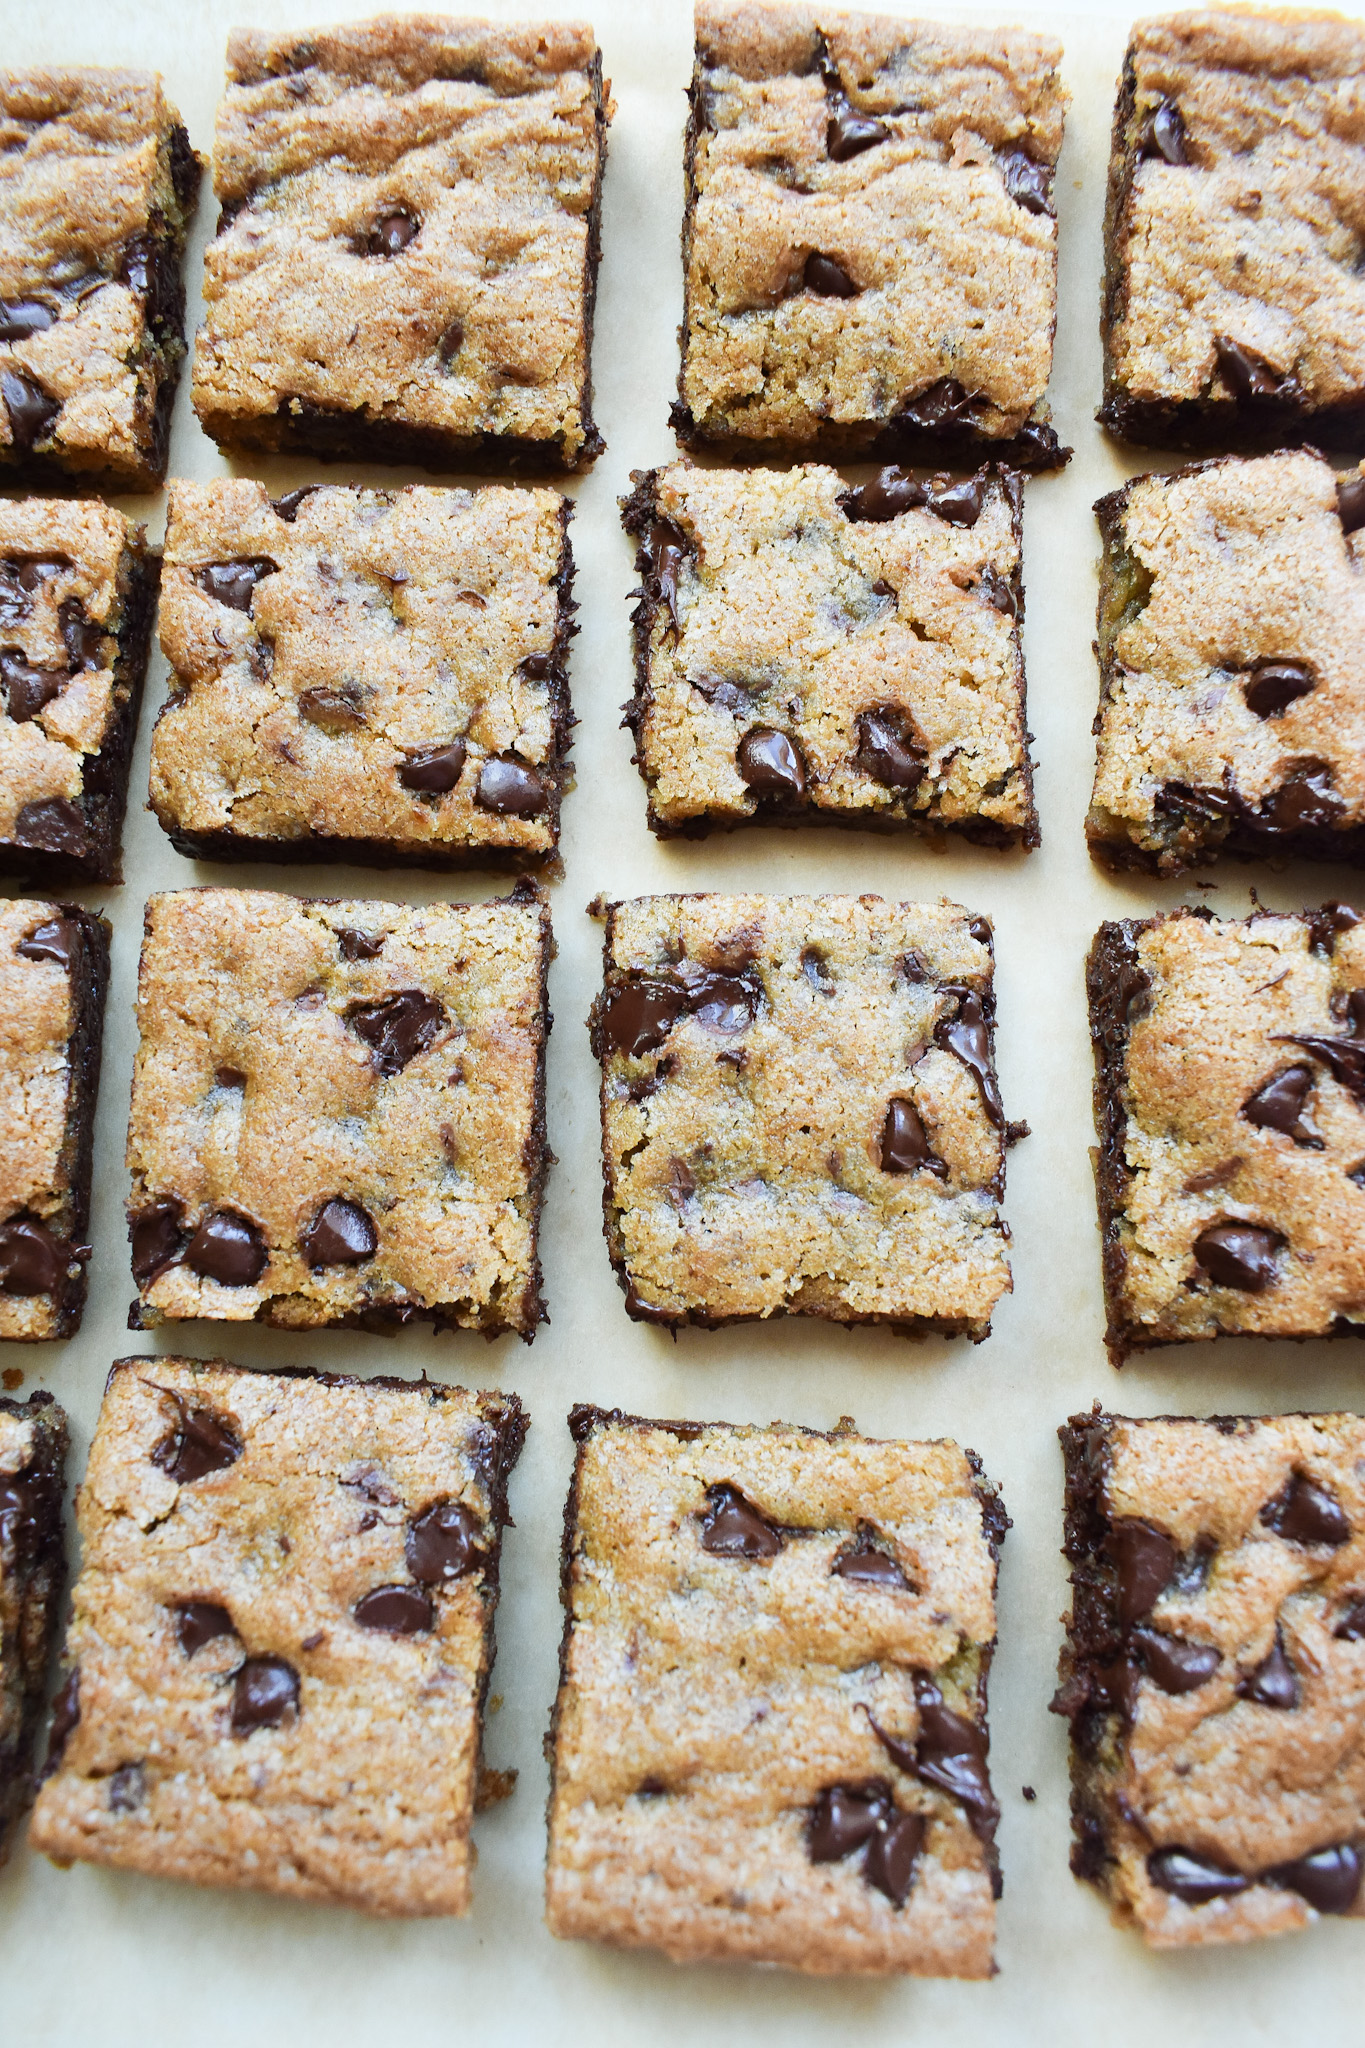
(90, 987)
(1116, 987)
(33, 1449)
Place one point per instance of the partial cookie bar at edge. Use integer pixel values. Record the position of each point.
(33, 1446)
(800, 1113)
(282, 1633)
(770, 1738)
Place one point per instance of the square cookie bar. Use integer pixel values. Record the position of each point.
(1234, 303)
(338, 1111)
(770, 1738)
(33, 1444)
(54, 976)
(363, 675)
(1214, 1671)
(1232, 681)
(77, 592)
(406, 258)
(870, 242)
(282, 1633)
(805, 654)
(800, 1114)
(1230, 1107)
(98, 184)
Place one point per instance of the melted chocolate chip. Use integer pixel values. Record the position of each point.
(1329, 1879)
(331, 710)
(960, 504)
(452, 341)
(32, 414)
(392, 232)
(848, 133)
(264, 1693)
(511, 788)
(82, 636)
(1327, 923)
(950, 1753)
(845, 1818)
(66, 1718)
(27, 689)
(127, 1788)
(399, 1028)
(19, 578)
(966, 1036)
(1351, 502)
(1172, 1663)
(21, 1513)
(996, 591)
(1278, 1105)
(723, 1003)
(889, 1864)
(905, 1147)
(1195, 1879)
(828, 279)
(434, 769)
(771, 764)
(200, 1443)
(1029, 184)
(887, 748)
(667, 549)
(358, 945)
(1306, 1512)
(201, 1621)
(1246, 374)
(444, 1542)
(1274, 685)
(1163, 134)
(22, 318)
(234, 583)
(1145, 1560)
(637, 1017)
(1305, 802)
(229, 1249)
(229, 1077)
(1240, 1255)
(1344, 1057)
(1351, 1627)
(341, 1234)
(944, 404)
(287, 507)
(397, 1610)
(1272, 1683)
(870, 1565)
(733, 1527)
(886, 497)
(32, 1260)
(157, 1239)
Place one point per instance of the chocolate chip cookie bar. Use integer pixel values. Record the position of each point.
(406, 258)
(54, 974)
(800, 1114)
(806, 654)
(1232, 703)
(1230, 1107)
(365, 675)
(33, 1445)
(282, 1633)
(77, 591)
(1214, 1671)
(98, 185)
(870, 240)
(1234, 301)
(770, 1738)
(338, 1112)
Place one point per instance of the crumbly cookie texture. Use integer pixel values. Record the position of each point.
(406, 258)
(1234, 304)
(1230, 1106)
(282, 1633)
(77, 591)
(98, 185)
(807, 654)
(770, 1738)
(338, 1111)
(365, 675)
(870, 242)
(1232, 701)
(33, 1443)
(54, 974)
(800, 1114)
(1214, 1671)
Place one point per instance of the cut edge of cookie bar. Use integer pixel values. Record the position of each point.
(32, 1579)
(1115, 1580)
(585, 1420)
(657, 538)
(49, 1249)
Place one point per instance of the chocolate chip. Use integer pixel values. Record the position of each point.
(1246, 374)
(1195, 1879)
(1306, 1512)
(1203, 806)
(201, 1442)
(866, 1561)
(397, 1610)
(1327, 924)
(886, 497)
(201, 1621)
(997, 591)
(22, 318)
(229, 1077)
(287, 507)
(358, 945)
(723, 1003)
(1278, 1105)
(1272, 1683)
(848, 133)
(157, 1239)
(399, 1028)
(332, 710)
(1343, 1057)
(966, 1035)
(1145, 1560)
(828, 279)
(1172, 1663)
(444, 1542)
(733, 1527)
(127, 1788)
(341, 1234)
(229, 1249)
(32, 414)
(52, 825)
(979, 929)
(950, 1753)
(1329, 1879)
(1163, 134)
(511, 788)
(56, 939)
(1274, 685)
(234, 583)
(1306, 802)
(264, 1692)
(451, 342)
(888, 750)
(1351, 1627)
(905, 1147)
(27, 689)
(771, 764)
(392, 232)
(66, 1718)
(1029, 184)
(1240, 1255)
(666, 551)
(889, 1864)
(19, 578)
(32, 1260)
(637, 1017)
(434, 769)
(1351, 502)
(22, 1512)
(942, 405)
(960, 504)
(845, 1818)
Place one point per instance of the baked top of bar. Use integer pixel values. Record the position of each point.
(282, 1633)
(870, 241)
(747, 1608)
(873, 631)
(338, 1110)
(1231, 1072)
(813, 1075)
(33, 1443)
(1236, 191)
(1217, 1669)
(360, 665)
(407, 230)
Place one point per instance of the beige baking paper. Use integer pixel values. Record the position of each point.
(99, 1957)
